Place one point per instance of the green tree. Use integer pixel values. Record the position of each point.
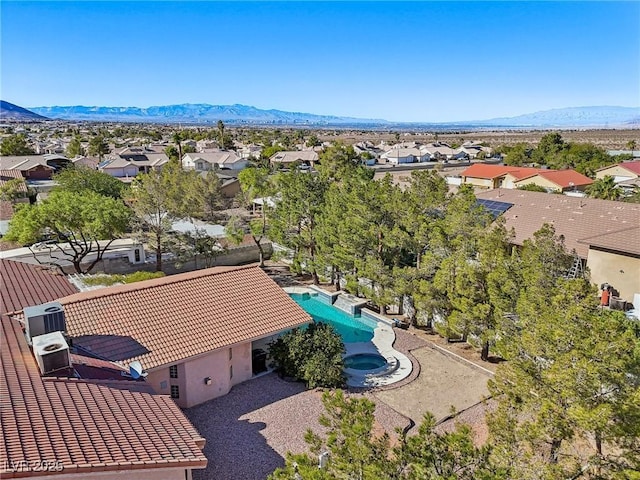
(568, 382)
(15, 144)
(85, 221)
(604, 189)
(98, 146)
(631, 145)
(158, 199)
(13, 189)
(518, 154)
(295, 218)
(75, 148)
(351, 450)
(79, 178)
(312, 353)
(221, 139)
(256, 183)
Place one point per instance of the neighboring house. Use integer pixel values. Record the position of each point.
(620, 171)
(308, 157)
(222, 159)
(587, 225)
(194, 333)
(229, 185)
(396, 156)
(88, 162)
(557, 181)
(495, 176)
(439, 151)
(615, 256)
(131, 163)
(35, 167)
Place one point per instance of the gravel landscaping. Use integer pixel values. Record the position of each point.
(249, 430)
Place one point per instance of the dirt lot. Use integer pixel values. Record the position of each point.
(443, 383)
(605, 138)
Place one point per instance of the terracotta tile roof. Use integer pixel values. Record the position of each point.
(86, 426)
(631, 166)
(24, 285)
(565, 178)
(573, 217)
(482, 170)
(169, 319)
(626, 240)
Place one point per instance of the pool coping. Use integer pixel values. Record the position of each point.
(398, 367)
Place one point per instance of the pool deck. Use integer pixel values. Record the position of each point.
(398, 366)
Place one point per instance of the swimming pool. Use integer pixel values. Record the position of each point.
(365, 361)
(351, 329)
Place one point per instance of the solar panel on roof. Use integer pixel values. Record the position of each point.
(494, 207)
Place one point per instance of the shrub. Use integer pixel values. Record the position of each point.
(312, 353)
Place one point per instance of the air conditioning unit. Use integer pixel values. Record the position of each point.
(51, 352)
(42, 319)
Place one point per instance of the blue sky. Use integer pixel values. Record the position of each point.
(415, 61)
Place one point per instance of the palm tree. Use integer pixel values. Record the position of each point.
(221, 130)
(604, 189)
(176, 139)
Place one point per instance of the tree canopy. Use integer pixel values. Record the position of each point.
(80, 223)
(15, 144)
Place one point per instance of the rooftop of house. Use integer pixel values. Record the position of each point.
(170, 319)
(290, 157)
(220, 157)
(565, 178)
(24, 285)
(626, 240)
(482, 170)
(574, 218)
(85, 426)
(631, 166)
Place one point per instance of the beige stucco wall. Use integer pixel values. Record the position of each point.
(192, 373)
(536, 180)
(620, 271)
(137, 474)
(616, 171)
(479, 182)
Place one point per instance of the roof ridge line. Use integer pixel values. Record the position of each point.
(154, 282)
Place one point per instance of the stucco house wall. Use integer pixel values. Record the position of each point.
(616, 269)
(128, 171)
(479, 182)
(138, 474)
(224, 367)
(618, 173)
(537, 180)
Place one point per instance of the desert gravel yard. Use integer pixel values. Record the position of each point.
(249, 430)
(442, 383)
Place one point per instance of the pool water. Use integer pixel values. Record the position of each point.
(351, 329)
(364, 361)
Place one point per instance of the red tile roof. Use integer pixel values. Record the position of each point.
(169, 319)
(482, 170)
(631, 166)
(84, 426)
(565, 178)
(573, 217)
(24, 285)
(7, 175)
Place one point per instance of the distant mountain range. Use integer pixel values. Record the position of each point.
(14, 113)
(571, 117)
(197, 113)
(577, 117)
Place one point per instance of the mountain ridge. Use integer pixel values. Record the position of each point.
(203, 113)
(12, 112)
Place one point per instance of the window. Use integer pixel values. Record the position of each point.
(175, 391)
(230, 353)
(231, 372)
(173, 371)
(163, 385)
